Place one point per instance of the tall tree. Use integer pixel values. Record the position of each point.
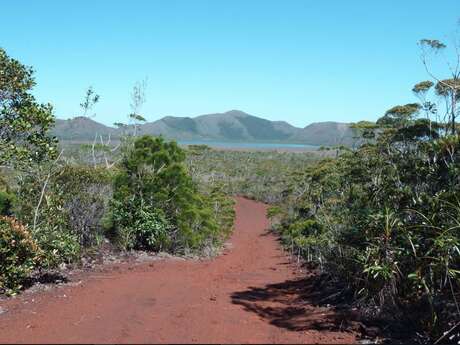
(448, 88)
(137, 101)
(24, 123)
(89, 101)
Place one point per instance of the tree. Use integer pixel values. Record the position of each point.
(100, 147)
(364, 131)
(137, 101)
(400, 115)
(24, 123)
(448, 88)
(384, 219)
(429, 108)
(134, 117)
(156, 204)
(90, 100)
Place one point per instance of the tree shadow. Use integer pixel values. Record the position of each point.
(267, 232)
(299, 305)
(44, 278)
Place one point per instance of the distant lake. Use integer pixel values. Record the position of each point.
(249, 145)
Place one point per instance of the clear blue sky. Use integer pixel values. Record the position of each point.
(300, 61)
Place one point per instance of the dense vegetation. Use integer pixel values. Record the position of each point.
(384, 219)
(56, 207)
(156, 205)
(257, 175)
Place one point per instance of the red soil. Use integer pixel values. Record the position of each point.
(250, 294)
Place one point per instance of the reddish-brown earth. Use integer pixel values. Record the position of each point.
(249, 294)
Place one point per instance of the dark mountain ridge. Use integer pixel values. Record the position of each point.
(230, 126)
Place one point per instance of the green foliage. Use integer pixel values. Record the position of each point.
(85, 196)
(19, 254)
(89, 101)
(149, 230)
(156, 205)
(388, 213)
(273, 212)
(24, 123)
(223, 211)
(198, 149)
(6, 203)
(422, 87)
(257, 175)
(449, 87)
(152, 230)
(433, 44)
(385, 219)
(69, 218)
(59, 246)
(399, 115)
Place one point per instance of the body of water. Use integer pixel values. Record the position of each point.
(249, 145)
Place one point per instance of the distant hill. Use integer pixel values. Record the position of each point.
(327, 134)
(233, 125)
(81, 129)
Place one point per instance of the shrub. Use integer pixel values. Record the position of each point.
(87, 194)
(223, 211)
(19, 254)
(24, 123)
(6, 198)
(257, 175)
(70, 216)
(385, 220)
(6, 203)
(152, 230)
(155, 202)
(59, 246)
(149, 229)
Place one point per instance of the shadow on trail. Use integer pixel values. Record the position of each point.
(297, 305)
(45, 278)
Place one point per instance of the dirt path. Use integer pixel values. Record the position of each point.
(250, 294)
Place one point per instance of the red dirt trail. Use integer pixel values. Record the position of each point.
(250, 294)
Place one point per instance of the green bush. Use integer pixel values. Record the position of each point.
(150, 229)
(59, 246)
(25, 123)
(388, 214)
(156, 205)
(223, 208)
(87, 192)
(19, 254)
(257, 175)
(6, 203)
(70, 215)
(6, 198)
(385, 220)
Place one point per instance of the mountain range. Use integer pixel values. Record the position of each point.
(231, 126)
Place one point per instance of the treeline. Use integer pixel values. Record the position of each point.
(384, 220)
(54, 209)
